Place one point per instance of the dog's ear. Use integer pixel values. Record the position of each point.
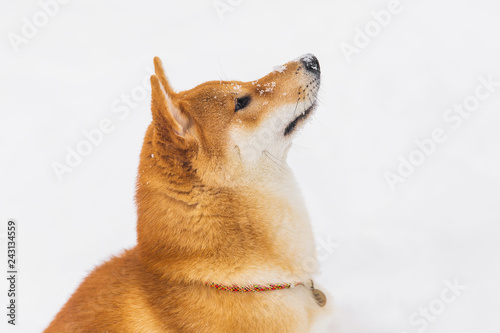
(168, 116)
(160, 73)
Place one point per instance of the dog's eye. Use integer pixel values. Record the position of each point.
(241, 103)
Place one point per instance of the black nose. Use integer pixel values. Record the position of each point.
(311, 63)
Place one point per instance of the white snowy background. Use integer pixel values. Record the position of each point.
(388, 256)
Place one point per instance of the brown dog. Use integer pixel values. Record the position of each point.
(224, 243)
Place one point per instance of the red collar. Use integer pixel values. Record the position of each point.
(253, 287)
(318, 295)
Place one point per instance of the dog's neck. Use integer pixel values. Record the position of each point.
(255, 233)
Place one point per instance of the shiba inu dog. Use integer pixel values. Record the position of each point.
(224, 243)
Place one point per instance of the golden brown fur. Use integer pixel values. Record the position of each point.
(205, 216)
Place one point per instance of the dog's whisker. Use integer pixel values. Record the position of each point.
(301, 147)
(309, 97)
(296, 105)
(276, 160)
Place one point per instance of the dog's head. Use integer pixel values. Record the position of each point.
(225, 129)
